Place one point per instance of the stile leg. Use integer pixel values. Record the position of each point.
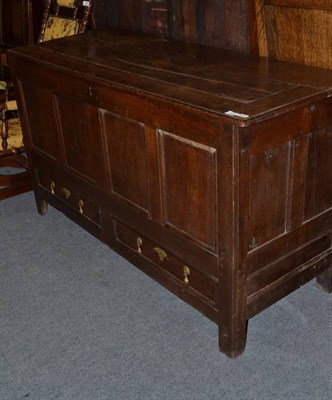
(41, 205)
(233, 338)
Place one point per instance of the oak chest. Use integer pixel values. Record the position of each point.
(209, 170)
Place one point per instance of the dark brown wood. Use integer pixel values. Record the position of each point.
(252, 28)
(100, 14)
(208, 169)
(196, 189)
(20, 21)
(219, 23)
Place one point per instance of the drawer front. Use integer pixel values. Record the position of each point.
(190, 277)
(72, 198)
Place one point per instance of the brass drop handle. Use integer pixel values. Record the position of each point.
(161, 253)
(80, 207)
(52, 187)
(186, 273)
(66, 192)
(139, 243)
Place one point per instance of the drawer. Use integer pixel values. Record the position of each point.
(72, 198)
(191, 278)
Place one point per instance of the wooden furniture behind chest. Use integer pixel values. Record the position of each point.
(220, 23)
(209, 170)
(295, 30)
(20, 23)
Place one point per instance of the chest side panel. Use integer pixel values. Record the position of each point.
(289, 172)
(322, 159)
(289, 204)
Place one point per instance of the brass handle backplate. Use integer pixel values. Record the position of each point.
(80, 207)
(186, 273)
(161, 253)
(52, 187)
(66, 192)
(139, 243)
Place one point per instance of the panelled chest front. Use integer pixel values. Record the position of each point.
(209, 170)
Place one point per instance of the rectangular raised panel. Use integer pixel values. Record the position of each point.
(300, 148)
(286, 265)
(268, 194)
(318, 180)
(127, 148)
(323, 181)
(44, 133)
(189, 187)
(79, 126)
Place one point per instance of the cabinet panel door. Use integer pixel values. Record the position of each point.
(13, 15)
(127, 149)
(323, 187)
(189, 187)
(268, 193)
(82, 142)
(318, 174)
(18, 25)
(42, 121)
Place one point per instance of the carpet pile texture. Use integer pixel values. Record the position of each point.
(78, 322)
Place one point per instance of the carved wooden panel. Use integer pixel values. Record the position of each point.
(188, 173)
(82, 146)
(126, 145)
(268, 194)
(44, 135)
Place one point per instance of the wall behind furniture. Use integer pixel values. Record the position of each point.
(221, 23)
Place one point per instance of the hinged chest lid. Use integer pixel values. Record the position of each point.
(227, 83)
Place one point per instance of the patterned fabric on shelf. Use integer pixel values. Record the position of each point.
(66, 3)
(60, 27)
(11, 105)
(3, 85)
(15, 137)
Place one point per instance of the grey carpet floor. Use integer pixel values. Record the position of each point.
(78, 322)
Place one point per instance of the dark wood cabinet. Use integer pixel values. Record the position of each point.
(209, 170)
(221, 23)
(20, 22)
